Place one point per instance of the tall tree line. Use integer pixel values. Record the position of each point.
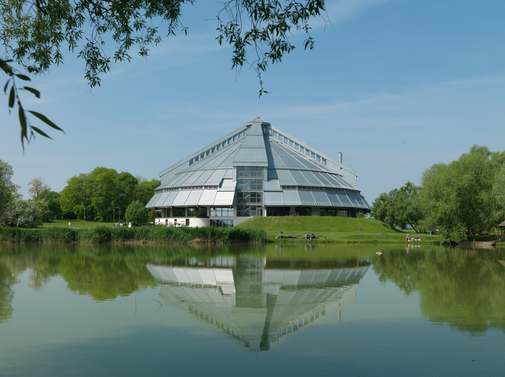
(104, 193)
(467, 194)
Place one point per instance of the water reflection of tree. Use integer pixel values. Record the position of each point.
(7, 280)
(462, 291)
(105, 278)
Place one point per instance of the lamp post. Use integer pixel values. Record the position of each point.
(84, 217)
(114, 215)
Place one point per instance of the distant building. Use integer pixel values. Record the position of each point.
(256, 170)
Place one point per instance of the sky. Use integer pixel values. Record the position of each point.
(395, 85)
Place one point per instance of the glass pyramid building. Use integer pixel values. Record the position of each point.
(256, 170)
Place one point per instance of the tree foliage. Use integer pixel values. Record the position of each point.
(7, 188)
(28, 131)
(468, 193)
(47, 201)
(458, 197)
(104, 193)
(20, 213)
(35, 34)
(399, 207)
(137, 213)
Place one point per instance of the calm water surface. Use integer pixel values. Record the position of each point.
(251, 311)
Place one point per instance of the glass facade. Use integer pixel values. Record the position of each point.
(249, 191)
(221, 212)
(278, 211)
(303, 211)
(328, 212)
(197, 211)
(178, 212)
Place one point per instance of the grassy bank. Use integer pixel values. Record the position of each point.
(332, 230)
(155, 234)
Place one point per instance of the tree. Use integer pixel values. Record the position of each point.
(21, 213)
(37, 188)
(36, 33)
(458, 197)
(399, 207)
(7, 188)
(137, 213)
(498, 192)
(144, 190)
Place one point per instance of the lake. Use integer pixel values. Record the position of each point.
(249, 310)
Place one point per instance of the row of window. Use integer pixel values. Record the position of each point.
(199, 212)
(297, 146)
(221, 212)
(192, 188)
(316, 188)
(217, 147)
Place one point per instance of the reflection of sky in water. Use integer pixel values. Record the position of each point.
(380, 331)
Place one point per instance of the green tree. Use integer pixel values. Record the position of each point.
(74, 197)
(144, 190)
(498, 192)
(399, 207)
(7, 188)
(137, 213)
(458, 196)
(35, 33)
(21, 213)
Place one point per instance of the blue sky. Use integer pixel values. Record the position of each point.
(395, 85)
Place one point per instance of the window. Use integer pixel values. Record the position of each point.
(323, 160)
(191, 162)
(342, 213)
(278, 211)
(240, 134)
(302, 149)
(328, 212)
(275, 134)
(280, 137)
(234, 137)
(197, 211)
(221, 212)
(178, 212)
(291, 143)
(303, 211)
(208, 152)
(297, 147)
(286, 139)
(218, 147)
(196, 159)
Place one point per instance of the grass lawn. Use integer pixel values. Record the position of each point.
(76, 224)
(332, 229)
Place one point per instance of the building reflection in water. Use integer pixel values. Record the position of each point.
(257, 303)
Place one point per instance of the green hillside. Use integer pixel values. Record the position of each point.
(332, 229)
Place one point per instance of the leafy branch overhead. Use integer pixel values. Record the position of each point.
(36, 32)
(28, 130)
